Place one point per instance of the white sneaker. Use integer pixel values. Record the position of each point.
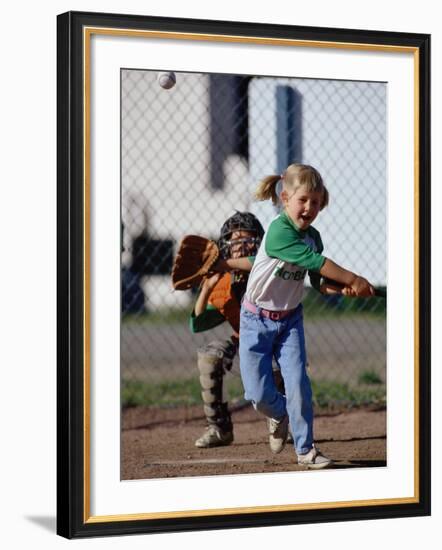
(278, 431)
(314, 459)
(214, 437)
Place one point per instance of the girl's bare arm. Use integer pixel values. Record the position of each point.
(355, 285)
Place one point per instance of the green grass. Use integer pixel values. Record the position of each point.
(369, 377)
(318, 306)
(330, 395)
(326, 395)
(166, 316)
(174, 393)
(315, 306)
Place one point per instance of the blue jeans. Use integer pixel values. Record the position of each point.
(261, 340)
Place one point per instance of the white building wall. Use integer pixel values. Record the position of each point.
(340, 128)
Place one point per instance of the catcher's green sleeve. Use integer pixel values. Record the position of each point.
(210, 318)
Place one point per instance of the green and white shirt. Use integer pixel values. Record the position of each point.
(276, 281)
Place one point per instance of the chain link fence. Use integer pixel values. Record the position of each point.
(190, 157)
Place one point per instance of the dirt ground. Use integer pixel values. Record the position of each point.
(159, 443)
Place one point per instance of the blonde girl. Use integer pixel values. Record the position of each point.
(271, 323)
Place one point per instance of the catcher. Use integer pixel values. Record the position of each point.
(219, 300)
(221, 271)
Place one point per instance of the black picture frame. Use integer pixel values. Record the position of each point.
(73, 517)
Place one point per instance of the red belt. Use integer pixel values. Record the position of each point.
(273, 315)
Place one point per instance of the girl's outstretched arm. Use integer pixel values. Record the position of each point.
(356, 285)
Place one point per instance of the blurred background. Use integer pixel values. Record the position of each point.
(190, 157)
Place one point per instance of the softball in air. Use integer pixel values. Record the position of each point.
(166, 80)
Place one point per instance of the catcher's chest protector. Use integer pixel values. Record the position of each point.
(225, 302)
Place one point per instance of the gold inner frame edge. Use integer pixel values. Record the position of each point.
(87, 33)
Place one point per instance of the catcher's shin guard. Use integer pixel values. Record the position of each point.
(213, 361)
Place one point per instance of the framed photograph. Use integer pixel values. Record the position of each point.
(175, 127)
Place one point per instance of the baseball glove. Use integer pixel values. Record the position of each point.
(194, 260)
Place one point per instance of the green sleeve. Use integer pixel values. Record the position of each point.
(251, 259)
(285, 242)
(210, 318)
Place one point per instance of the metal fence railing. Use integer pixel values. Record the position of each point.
(192, 155)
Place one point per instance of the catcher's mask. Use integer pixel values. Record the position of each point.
(240, 221)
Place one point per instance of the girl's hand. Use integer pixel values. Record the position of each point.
(361, 287)
(329, 289)
(348, 291)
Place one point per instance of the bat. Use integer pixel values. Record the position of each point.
(379, 292)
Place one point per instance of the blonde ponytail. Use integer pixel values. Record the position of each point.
(267, 189)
